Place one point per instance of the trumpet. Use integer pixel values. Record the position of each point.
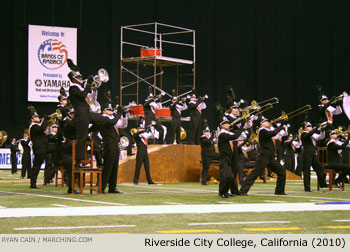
(159, 96)
(101, 77)
(323, 125)
(340, 97)
(285, 117)
(202, 98)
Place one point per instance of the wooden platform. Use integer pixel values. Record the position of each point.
(168, 164)
(172, 163)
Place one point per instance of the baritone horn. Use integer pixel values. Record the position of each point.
(101, 77)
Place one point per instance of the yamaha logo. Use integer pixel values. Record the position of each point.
(38, 82)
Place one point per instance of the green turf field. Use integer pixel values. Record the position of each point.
(15, 193)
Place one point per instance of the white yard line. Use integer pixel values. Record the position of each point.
(58, 205)
(80, 227)
(341, 220)
(63, 198)
(169, 209)
(238, 223)
(172, 203)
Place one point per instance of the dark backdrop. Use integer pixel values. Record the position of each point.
(263, 48)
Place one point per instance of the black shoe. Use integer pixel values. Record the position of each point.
(152, 183)
(308, 190)
(136, 183)
(230, 195)
(242, 194)
(238, 193)
(271, 176)
(262, 178)
(115, 191)
(325, 186)
(34, 187)
(130, 154)
(80, 166)
(224, 196)
(281, 193)
(70, 191)
(205, 183)
(338, 183)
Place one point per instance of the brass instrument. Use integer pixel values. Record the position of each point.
(127, 108)
(340, 97)
(3, 137)
(253, 139)
(182, 133)
(101, 77)
(133, 131)
(124, 142)
(159, 96)
(341, 132)
(284, 116)
(259, 105)
(53, 118)
(245, 115)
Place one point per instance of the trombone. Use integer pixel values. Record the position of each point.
(246, 114)
(284, 116)
(258, 105)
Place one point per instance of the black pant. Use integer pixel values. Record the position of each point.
(262, 162)
(195, 130)
(290, 163)
(110, 167)
(299, 167)
(343, 170)
(39, 157)
(175, 130)
(227, 178)
(13, 163)
(142, 158)
(206, 161)
(82, 121)
(26, 165)
(312, 160)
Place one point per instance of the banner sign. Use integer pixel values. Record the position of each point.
(48, 50)
(5, 159)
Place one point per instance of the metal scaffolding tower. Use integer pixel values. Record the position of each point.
(152, 47)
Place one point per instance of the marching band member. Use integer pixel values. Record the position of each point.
(150, 106)
(51, 155)
(176, 109)
(141, 139)
(309, 138)
(195, 106)
(40, 145)
(122, 125)
(327, 111)
(267, 158)
(111, 151)
(228, 167)
(290, 150)
(334, 158)
(14, 150)
(78, 95)
(207, 152)
(26, 157)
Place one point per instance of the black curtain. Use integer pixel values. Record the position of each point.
(264, 49)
